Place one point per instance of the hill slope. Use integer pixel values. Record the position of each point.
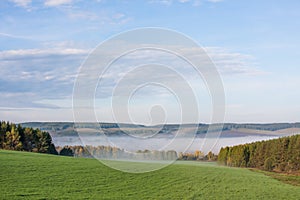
(38, 176)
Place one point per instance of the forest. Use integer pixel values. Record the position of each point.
(16, 137)
(279, 155)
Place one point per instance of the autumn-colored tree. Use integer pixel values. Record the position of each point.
(13, 140)
(198, 155)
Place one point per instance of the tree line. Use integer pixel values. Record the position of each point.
(280, 155)
(198, 155)
(16, 137)
(108, 152)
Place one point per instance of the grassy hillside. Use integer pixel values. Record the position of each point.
(39, 176)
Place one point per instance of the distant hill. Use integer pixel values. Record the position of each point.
(113, 129)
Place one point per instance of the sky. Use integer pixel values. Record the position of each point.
(254, 45)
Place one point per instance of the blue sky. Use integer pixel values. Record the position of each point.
(254, 44)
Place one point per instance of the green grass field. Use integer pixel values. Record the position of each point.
(38, 176)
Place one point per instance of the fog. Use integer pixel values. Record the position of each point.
(164, 143)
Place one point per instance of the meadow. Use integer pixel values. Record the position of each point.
(26, 175)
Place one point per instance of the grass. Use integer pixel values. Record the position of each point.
(38, 176)
(291, 179)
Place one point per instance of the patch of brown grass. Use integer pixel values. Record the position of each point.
(288, 178)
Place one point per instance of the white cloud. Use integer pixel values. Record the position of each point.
(101, 17)
(82, 15)
(194, 2)
(118, 16)
(183, 1)
(227, 62)
(22, 3)
(233, 63)
(214, 1)
(165, 2)
(36, 114)
(25, 53)
(14, 36)
(57, 2)
(51, 72)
